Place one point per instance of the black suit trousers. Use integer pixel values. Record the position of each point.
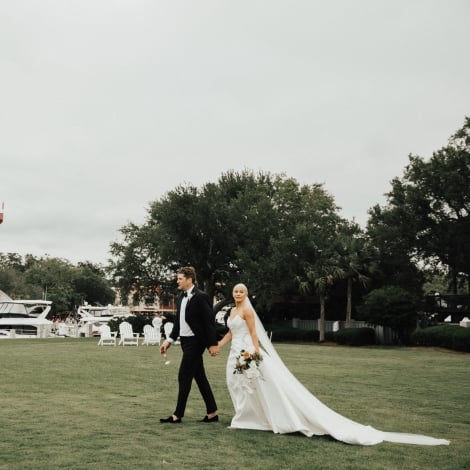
(192, 367)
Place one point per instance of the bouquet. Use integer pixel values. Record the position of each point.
(247, 364)
(247, 360)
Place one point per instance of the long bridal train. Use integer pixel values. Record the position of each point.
(278, 402)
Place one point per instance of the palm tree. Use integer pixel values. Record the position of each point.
(355, 260)
(320, 276)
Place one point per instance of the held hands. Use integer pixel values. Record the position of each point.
(214, 350)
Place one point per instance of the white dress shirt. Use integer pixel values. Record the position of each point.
(185, 329)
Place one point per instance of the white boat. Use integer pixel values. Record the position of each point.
(92, 317)
(24, 318)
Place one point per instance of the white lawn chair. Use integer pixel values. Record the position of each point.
(167, 327)
(107, 337)
(128, 337)
(151, 335)
(157, 323)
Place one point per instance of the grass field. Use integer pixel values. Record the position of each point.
(69, 404)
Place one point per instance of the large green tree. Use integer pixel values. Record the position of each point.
(397, 254)
(250, 227)
(289, 226)
(427, 216)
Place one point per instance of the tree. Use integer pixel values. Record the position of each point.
(136, 267)
(356, 259)
(393, 307)
(397, 258)
(54, 279)
(320, 275)
(246, 227)
(90, 283)
(428, 209)
(12, 280)
(188, 226)
(276, 236)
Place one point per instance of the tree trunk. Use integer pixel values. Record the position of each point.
(349, 304)
(209, 289)
(453, 276)
(322, 319)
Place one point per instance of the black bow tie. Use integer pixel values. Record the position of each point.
(185, 294)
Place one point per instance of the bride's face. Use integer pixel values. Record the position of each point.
(239, 293)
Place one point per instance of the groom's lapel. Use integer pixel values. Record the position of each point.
(187, 313)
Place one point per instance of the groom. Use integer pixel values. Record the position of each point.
(195, 326)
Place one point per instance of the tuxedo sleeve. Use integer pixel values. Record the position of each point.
(175, 332)
(208, 321)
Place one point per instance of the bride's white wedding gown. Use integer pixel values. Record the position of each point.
(278, 402)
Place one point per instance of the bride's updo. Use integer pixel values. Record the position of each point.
(240, 284)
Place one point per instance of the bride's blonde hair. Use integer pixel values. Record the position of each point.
(240, 284)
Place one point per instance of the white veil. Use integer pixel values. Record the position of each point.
(264, 341)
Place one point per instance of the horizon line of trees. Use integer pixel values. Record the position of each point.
(287, 242)
(56, 279)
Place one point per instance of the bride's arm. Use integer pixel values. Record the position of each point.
(250, 323)
(226, 339)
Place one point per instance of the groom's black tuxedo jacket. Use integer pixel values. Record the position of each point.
(199, 317)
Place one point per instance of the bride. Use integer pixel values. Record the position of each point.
(266, 396)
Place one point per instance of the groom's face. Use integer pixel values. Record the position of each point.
(184, 283)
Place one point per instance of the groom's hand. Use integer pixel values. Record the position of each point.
(214, 350)
(164, 347)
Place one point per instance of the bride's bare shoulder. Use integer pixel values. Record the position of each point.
(246, 313)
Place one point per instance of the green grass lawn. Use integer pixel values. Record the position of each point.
(67, 403)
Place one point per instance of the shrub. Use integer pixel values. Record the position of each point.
(138, 322)
(391, 306)
(114, 323)
(356, 336)
(445, 336)
(330, 336)
(282, 333)
(169, 317)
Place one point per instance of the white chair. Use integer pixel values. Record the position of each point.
(63, 329)
(167, 327)
(107, 337)
(128, 337)
(157, 323)
(151, 335)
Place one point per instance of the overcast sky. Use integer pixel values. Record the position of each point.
(105, 105)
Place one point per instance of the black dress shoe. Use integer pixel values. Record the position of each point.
(170, 420)
(210, 420)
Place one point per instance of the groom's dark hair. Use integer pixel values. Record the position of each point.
(189, 272)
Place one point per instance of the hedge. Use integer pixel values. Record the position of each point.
(355, 336)
(445, 336)
(287, 333)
